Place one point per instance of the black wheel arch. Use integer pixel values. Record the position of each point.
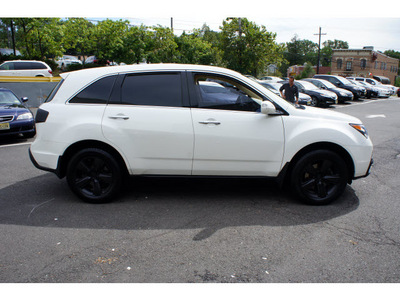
(284, 176)
(78, 146)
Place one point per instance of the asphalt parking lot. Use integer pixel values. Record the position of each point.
(198, 230)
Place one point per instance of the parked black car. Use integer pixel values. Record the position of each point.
(343, 94)
(343, 83)
(318, 96)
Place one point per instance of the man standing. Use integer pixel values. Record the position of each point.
(291, 91)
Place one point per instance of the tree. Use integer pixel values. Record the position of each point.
(248, 48)
(134, 45)
(193, 49)
(108, 39)
(327, 50)
(78, 36)
(160, 45)
(301, 51)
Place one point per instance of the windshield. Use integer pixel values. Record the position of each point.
(328, 84)
(343, 80)
(271, 85)
(309, 86)
(8, 98)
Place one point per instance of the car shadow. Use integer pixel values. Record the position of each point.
(12, 140)
(166, 204)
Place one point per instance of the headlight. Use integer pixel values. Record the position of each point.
(25, 116)
(360, 128)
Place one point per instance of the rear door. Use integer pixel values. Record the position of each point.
(149, 121)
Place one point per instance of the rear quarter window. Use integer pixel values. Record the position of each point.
(97, 92)
(38, 66)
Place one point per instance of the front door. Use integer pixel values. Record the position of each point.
(232, 136)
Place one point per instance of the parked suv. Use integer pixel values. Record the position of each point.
(343, 83)
(27, 68)
(101, 124)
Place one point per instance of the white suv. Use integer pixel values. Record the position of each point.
(28, 68)
(101, 124)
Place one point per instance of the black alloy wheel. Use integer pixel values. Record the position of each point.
(319, 177)
(94, 175)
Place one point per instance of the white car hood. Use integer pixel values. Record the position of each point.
(319, 113)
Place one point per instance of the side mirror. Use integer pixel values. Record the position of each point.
(268, 108)
(24, 99)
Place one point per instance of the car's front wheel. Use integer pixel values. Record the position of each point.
(319, 177)
(314, 101)
(94, 175)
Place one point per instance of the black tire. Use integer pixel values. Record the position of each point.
(94, 175)
(314, 101)
(319, 177)
(29, 135)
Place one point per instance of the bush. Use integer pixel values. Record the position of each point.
(73, 67)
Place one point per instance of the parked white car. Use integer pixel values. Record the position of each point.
(392, 89)
(28, 68)
(67, 60)
(101, 124)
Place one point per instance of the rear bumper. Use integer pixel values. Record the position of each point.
(35, 163)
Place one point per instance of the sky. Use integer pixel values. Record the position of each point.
(360, 23)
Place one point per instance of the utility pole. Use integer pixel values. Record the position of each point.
(319, 47)
(13, 36)
(172, 25)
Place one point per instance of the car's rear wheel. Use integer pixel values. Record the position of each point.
(319, 177)
(94, 175)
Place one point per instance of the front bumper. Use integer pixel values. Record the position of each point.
(19, 127)
(368, 171)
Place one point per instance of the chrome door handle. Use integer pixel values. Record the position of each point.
(210, 122)
(119, 116)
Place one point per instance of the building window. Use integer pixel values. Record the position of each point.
(363, 63)
(376, 65)
(348, 66)
(339, 63)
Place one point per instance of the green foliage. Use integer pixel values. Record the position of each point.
(241, 44)
(193, 49)
(308, 71)
(247, 47)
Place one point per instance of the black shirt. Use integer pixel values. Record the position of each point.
(290, 92)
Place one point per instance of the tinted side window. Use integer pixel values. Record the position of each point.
(21, 65)
(226, 94)
(163, 89)
(98, 92)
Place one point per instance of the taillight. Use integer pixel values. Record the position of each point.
(41, 115)
(50, 71)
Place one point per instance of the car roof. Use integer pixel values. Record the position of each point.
(101, 71)
(76, 80)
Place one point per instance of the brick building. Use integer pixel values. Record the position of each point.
(296, 70)
(364, 63)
